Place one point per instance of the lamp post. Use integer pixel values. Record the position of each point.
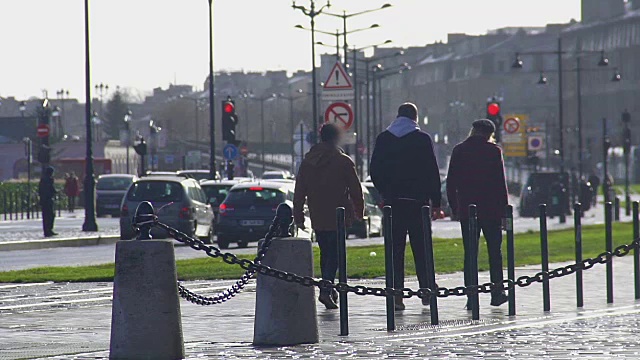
(311, 12)
(292, 125)
(626, 135)
(212, 107)
(55, 113)
(23, 108)
(96, 121)
(28, 149)
(262, 100)
(344, 16)
(337, 35)
(380, 73)
(196, 105)
(127, 122)
(101, 90)
(90, 223)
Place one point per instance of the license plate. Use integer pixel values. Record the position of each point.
(252, 222)
(112, 206)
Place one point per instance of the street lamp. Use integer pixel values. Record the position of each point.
(55, 113)
(292, 125)
(626, 138)
(212, 106)
(90, 223)
(262, 100)
(337, 35)
(344, 16)
(311, 12)
(101, 90)
(380, 73)
(127, 121)
(196, 103)
(96, 121)
(23, 108)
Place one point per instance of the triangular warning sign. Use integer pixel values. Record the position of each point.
(338, 79)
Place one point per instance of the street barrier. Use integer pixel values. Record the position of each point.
(297, 277)
(342, 269)
(472, 271)
(430, 262)
(23, 204)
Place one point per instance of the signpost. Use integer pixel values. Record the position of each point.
(43, 131)
(230, 152)
(341, 114)
(514, 139)
(338, 85)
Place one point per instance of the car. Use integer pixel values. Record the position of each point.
(248, 210)
(544, 188)
(371, 223)
(110, 189)
(178, 202)
(199, 175)
(277, 175)
(217, 190)
(445, 205)
(375, 194)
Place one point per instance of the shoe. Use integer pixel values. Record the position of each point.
(334, 295)
(51, 234)
(327, 301)
(426, 302)
(399, 304)
(499, 299)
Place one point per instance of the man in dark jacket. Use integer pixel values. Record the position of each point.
(327, 179)
(405, 171)
(47, 193)
(476, 176)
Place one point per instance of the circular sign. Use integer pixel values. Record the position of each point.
(535, 143)
(511, 125)
(230, 152)
(339, 113)
(42, 131)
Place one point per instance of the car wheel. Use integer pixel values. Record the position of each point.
(223, 243)
(243, 244)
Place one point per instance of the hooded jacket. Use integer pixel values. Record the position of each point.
(327, 179)
(404, 165)
(46, 188)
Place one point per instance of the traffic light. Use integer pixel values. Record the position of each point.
(494, 114)
(229, 121)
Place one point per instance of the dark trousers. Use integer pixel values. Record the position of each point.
(48, 216)
(407, 219)
(328, 243)
(492, 230)
(72, 203)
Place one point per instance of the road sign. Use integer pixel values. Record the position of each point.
(339, 113)
(338, 85)
(511, 125)
(43, 130)
(536, 143)
(230, 152)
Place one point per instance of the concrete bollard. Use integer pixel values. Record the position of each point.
(146, 321)
(286, 312)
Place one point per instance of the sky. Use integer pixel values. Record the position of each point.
(143, 44)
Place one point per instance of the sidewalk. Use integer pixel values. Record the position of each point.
(43, 320)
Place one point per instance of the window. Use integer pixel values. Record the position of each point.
(160, 191)
(113, 183)
(216, 194)
(256, 196)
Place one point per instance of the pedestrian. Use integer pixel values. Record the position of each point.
(476, 176)
(72, 190)
(594, 179)
(405, 172)
(47, 192)
(327, 179)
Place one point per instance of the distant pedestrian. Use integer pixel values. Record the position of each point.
(476, 176)
(72, 190)
(327, 179)
(594, 179)
(47, 193)
(405, 171)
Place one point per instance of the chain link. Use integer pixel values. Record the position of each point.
(252, 267)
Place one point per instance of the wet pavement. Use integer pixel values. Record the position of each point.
(72, 321)
(68, 225)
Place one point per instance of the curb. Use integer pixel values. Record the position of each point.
(56, 243)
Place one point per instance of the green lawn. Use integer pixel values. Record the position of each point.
(448, 257)
(633, 189)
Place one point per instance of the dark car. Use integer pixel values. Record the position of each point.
(217, 191)
(548, 188)
(371, 223)
(248, 210)
(110, 189)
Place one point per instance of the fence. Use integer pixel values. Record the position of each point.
(24, 204)
(432, 294)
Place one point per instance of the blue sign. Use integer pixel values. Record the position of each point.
(230, 152)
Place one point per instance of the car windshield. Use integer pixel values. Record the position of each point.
(114, 183)
(273, 176)
(544, 180)
(256, 196)
(216, 194)
(197, 175)
(160, 191)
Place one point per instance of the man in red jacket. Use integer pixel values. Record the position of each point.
(476, 176)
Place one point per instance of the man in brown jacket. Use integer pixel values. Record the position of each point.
(327, 179)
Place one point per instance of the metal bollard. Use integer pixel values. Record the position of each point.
(430, 263)
(577, 229)
(616, 209)
(21, 206)
(388, 266)
(636, 253)
(4, 204)
(511, 259)
(608, 225)
(474, 239)
(544, 247)
(10, 206)
(342, 270)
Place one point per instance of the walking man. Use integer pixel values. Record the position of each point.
(405, 171)
(327, 179)
(476, 176)
(47, 193)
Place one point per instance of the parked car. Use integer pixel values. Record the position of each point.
(371, 223)
(179, 202)
(548, 188)
(110, 189)
(248, 210)
(217, 191)
(199, 175)
(375, 194)
(277, 175)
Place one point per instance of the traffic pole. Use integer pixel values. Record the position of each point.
(608, 223)
(388, 265)
(544, 247)
(342, 270)
(430, 264)
(511, 260)
(577, 229)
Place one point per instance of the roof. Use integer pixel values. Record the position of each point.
(220, 182)
(117, 175)
(164, 178)
(263, 184)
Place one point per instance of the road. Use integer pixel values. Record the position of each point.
(92, 255)
(68, 225)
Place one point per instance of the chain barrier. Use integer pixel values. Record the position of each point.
(252, 267)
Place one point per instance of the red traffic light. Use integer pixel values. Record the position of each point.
(493, 109)
(229, 108)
